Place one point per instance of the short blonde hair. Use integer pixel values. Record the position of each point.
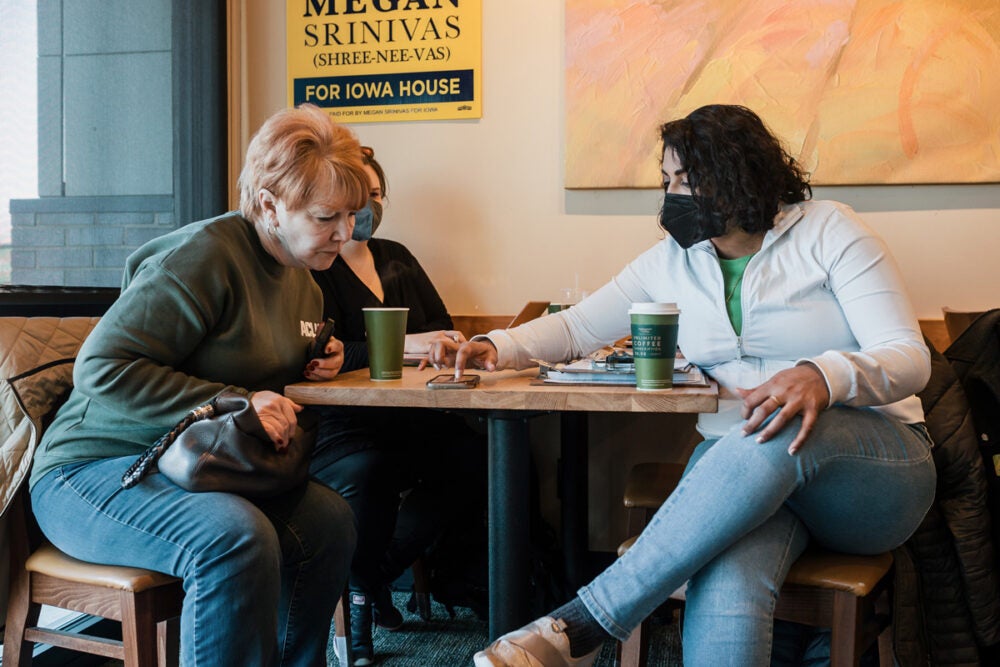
(301, 156)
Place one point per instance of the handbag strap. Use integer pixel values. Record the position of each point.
(142, 465)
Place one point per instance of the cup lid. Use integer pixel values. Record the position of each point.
(654, 308)
(382, 309)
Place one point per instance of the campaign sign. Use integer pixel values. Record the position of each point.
(380, 60)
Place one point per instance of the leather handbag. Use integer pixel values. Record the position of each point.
(222, 446)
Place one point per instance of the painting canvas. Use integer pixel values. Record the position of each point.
(861, 91)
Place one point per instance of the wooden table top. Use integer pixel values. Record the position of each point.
(501, 390)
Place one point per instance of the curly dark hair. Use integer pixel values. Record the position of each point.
(737, 169)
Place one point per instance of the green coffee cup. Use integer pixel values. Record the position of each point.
(556, 307)
(654, 344)
(386, 329)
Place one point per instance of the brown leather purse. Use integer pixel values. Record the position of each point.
(222, 446)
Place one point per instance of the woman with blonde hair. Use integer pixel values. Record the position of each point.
(226, 304)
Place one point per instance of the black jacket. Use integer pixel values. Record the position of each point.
(975, 356)
(947, 606)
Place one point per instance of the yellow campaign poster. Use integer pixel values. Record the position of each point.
(386, 60)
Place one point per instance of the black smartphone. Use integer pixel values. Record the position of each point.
(322, 338)
(449, 381)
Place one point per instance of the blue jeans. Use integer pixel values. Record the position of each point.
(261, 577)
(744, 511)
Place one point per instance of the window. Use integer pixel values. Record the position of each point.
(112, 132)
(18, 116)
(128, 132)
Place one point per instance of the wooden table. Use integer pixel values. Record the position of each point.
(508, 399)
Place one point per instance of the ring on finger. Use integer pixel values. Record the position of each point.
(776, 400)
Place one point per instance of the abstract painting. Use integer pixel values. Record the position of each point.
(860, 91)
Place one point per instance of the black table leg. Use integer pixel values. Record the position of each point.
(509, 468)
(573, 475)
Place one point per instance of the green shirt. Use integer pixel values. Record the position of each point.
(203, 309)
(732, 285)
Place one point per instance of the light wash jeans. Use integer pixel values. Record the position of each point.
(261, 577)
(744, 511)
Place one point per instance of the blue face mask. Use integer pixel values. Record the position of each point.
(367, 220)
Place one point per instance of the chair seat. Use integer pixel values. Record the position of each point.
(626, 545)
(857, 575)
(49, 561)
(649, 484)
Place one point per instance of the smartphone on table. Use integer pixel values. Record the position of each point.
(449, 381)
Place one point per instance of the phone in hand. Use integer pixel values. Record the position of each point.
(449, 381)
(318, 348)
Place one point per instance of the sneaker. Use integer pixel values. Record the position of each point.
(543, 643)
(385, 613)
(362, 649)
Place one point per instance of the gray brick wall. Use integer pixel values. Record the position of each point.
(82, 240)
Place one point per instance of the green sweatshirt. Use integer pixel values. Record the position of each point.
(203, 309)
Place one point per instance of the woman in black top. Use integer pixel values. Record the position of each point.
(372, 455)
(403, 282)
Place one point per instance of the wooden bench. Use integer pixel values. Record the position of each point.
(472, 325)
(936, 333)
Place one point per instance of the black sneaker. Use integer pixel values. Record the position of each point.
(385, 613)
(362, 650)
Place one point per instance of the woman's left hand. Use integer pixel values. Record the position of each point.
(326, 368)
(277, 416)
(421, 343)
(800, 390)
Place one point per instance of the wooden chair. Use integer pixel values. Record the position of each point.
(646, 487)
(146, 603)
(35, 371)
(420, 600)
(849, 594)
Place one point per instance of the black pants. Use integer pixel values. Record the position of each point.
(408, 474)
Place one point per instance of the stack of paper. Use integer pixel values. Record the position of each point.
(591, 371)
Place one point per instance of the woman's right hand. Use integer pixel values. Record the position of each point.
(800, 390)
(277, 415)
(472, 354)
(327, 366)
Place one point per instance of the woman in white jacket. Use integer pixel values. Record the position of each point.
(798, 311)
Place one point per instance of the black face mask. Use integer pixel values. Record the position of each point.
(681, 219)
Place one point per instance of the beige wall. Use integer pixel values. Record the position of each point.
(481, 203)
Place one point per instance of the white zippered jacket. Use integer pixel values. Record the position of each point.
(822, 289)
